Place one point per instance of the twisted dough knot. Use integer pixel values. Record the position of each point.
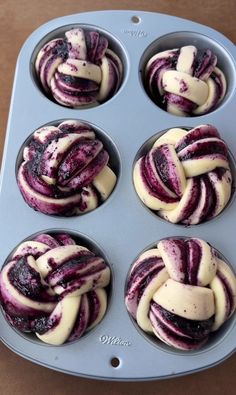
(181, 291)
(65, 170)
(54, 288)
(79, 69)
(186, 175)
(185, 81)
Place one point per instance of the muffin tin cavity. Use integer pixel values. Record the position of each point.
(185, 175)
(79, 66)
(67, 168)
(174, 89)
(181, 295)
(56, 284)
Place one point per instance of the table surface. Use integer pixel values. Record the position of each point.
(17, 20)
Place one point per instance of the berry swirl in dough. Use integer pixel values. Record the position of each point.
(181, 291)
(79, 70)
(65, 170)
(185, 81)
(54, 288)
(185, 177)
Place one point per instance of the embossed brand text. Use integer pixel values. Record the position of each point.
(135, 33)
(114, 341)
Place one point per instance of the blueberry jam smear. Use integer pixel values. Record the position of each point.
(25, 279)
(94, 306)
(61, 49)
(44, 324)
(147, 281)
(201, 150)
(193, 264)
(189, 343)
(147, 266)
(23, 324)
(193, 328)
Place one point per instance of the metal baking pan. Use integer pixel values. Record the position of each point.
(121, 227)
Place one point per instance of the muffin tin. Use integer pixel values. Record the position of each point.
(121, 227)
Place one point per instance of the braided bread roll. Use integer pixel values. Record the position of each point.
(65, 170)
(185, 81)
(181, 291)
(79, 70)
(186, 175)
(54, 288)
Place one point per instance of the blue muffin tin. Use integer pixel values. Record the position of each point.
(116, 349)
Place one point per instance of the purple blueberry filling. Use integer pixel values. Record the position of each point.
(154, 186)
(78, 84)
(162, 166)
(94, 307)
(183, 86)
(44, 324)
(143, 270)
(25, 279)
(182, 103)
(60, 49)
(194, 329)
(148, 279)
(202, 149)
(192, 202)
(193, 255)
(23, 324)
(228, 292)
(76, 267)
(204, 63)
(82, 319)
(196, 134)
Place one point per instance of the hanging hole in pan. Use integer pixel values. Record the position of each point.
(115, 362)
(136, 19)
